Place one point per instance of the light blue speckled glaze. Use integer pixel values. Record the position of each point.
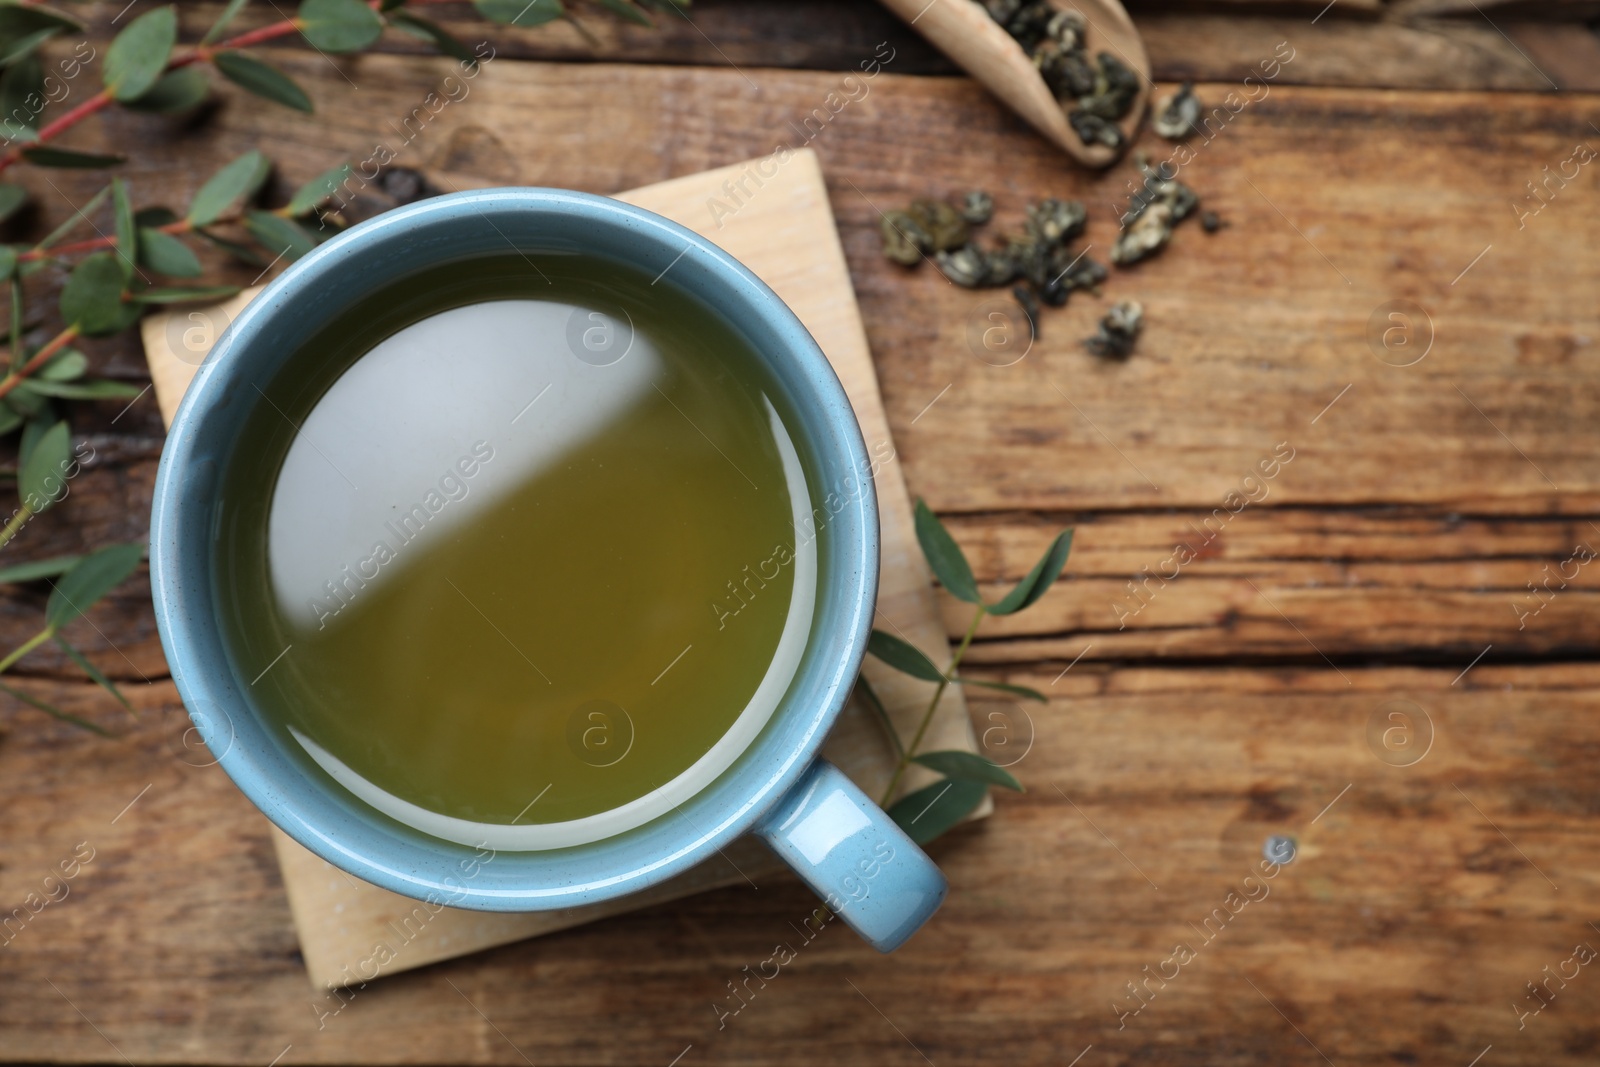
(853, 855)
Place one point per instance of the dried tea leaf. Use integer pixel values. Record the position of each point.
(904, 239)
(1118, 330)
(977, 207)
(1179, 114)
(1054, 221)
(946, 229)
(967, 266)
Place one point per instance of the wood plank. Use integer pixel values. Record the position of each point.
(1223, 375)
(1404, 584)
(1368, 197)
(1403, 895)
(1294, 583)
(1358, 44)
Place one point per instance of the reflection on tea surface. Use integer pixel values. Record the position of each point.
(528, 573)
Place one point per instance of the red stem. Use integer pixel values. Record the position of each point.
(94, 244)
(104, 97)
(40, 358)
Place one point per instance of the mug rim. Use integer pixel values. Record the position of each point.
(408, 863)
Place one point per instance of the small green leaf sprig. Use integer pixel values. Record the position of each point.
(108, 290)
(930, 811)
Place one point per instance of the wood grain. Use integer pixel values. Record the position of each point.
(1356, 44)
(1412, 919)
(1330, 219)
(1406, 927)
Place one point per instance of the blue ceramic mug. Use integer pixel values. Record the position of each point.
(867, 870)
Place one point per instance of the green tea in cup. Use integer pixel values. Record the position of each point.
(519, 550)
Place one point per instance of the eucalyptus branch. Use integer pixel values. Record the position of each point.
(928, 812)
(946, 676)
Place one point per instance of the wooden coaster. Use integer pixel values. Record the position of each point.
(781, 227)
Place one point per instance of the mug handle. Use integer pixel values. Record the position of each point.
(854, 857)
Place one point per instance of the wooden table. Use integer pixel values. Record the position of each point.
(1381, 571)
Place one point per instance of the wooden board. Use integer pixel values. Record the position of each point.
(783, 235)
(1415, 914)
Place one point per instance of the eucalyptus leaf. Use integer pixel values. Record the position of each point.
(243, 253)
(8, 262)
(21, 99)
(421, 28)
(138, 55)
(12, 197)
(42, 477)
(154, 217)
(92, 671)
(929, 812)
(127, 237)
(24, 27)
(945, 557)
(94, 576)
(1037, 581)
(9, 419)
(314, 192)
(31, 434)
(281, 236)
(26, 46)
(92, 297)
(65, 366)
(102, 389)
(1016, 690)
(339, 25)
(903, 657)
(263, 80)
(520, 12)
(165, 254)
(77, 216)
(175, 91)
(871, 700)
(18, 20)
(68, 159)
(24, 400)
(968, 767)
(184, 294)
(39, 568)
(237, 181)
(229, 13)
(51, 709)
(628, 10)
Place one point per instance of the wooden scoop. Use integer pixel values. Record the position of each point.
(963, 30)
